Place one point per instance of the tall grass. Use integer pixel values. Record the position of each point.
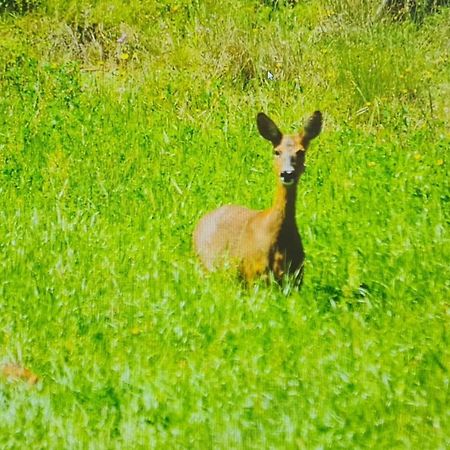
(121, 124)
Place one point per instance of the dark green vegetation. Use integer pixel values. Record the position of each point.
(121, 123)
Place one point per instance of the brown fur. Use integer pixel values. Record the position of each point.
(16, 372)
(259, 242)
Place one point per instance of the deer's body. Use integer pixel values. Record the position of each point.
(259, 242)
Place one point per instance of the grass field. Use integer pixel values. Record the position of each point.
(121, 123)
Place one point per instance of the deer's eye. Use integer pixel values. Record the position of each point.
(277, 152)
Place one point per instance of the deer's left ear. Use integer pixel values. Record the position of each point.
(312, 129)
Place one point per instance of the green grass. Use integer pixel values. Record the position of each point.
(109, 154)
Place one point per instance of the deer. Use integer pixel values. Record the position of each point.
(263, 243)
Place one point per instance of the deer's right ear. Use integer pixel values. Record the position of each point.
(268, 129)
(312, 129)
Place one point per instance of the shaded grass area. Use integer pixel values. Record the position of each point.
(110, 152)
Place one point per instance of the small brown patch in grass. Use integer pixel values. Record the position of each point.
(15, 372)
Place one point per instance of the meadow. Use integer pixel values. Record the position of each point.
(121, 123)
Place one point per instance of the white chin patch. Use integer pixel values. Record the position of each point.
(287, 183)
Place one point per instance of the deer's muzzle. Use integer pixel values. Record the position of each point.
(287, 177)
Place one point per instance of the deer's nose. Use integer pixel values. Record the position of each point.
(287, 176)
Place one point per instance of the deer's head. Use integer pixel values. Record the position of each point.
(289, 150)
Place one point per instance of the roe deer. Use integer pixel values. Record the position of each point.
(260, 242)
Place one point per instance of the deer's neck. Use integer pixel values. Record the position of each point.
(283, 208)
